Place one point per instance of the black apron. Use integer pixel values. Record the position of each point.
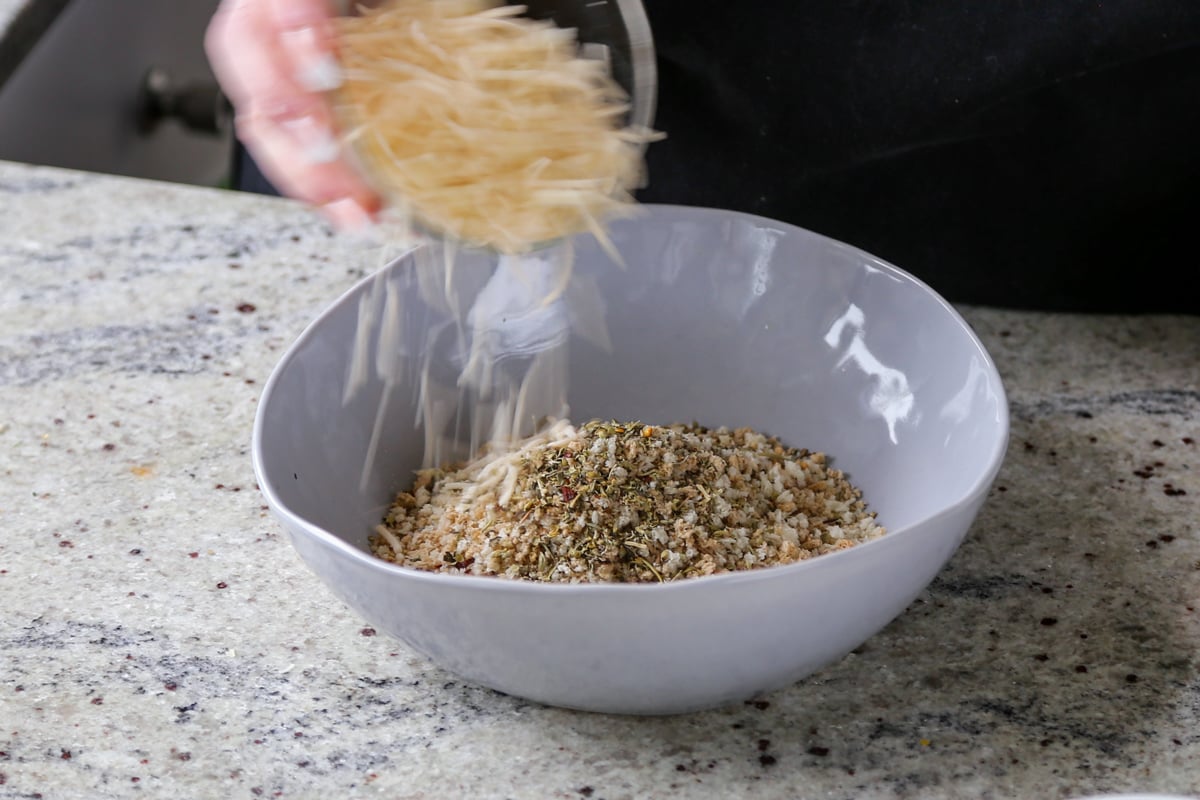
(1017, 153)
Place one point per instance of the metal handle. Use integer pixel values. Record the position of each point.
(197, 106)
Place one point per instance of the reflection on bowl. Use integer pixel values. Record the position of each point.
(718, 317)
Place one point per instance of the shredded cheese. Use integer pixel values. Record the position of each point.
(486, 126)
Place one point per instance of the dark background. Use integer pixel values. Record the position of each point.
(1037, 154)
(1017, 153)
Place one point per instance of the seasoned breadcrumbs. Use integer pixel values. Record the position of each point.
(625, 502)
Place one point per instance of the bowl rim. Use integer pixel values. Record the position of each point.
(474, 583)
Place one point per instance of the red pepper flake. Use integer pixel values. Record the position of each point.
(1166, 537)
(246, 308)
(97, 701)
(108, 448)
(586, 791)
(568, 494)
(65, 755)
(222, 585)
(1188, 440)
(134, 779)
(137, 551)
(193, 555)
(66, 543)
(763, 745)
(367, 632)
(184, 756)
(170, 686)
(256, 790)
(219, 486)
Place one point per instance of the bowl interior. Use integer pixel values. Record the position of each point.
(718, 317)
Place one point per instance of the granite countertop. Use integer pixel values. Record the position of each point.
(159, 636)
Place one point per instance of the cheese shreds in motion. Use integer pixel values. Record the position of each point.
(486, 126)
(625, 502)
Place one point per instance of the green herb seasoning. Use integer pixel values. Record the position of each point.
(625, 502)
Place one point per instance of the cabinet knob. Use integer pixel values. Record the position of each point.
(198, 106)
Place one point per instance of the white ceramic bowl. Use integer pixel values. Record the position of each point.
(719, 317)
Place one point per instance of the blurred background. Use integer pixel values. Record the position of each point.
(114, 86)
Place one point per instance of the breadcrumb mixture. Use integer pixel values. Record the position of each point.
(625, 502)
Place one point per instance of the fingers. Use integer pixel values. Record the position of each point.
(308, 41)
(275, 60)
(245, 53)
(289, 153)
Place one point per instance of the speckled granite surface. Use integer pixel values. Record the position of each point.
(159, 638)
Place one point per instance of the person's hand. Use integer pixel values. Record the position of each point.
(275, 62)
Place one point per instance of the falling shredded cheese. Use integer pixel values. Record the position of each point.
(486, 126)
